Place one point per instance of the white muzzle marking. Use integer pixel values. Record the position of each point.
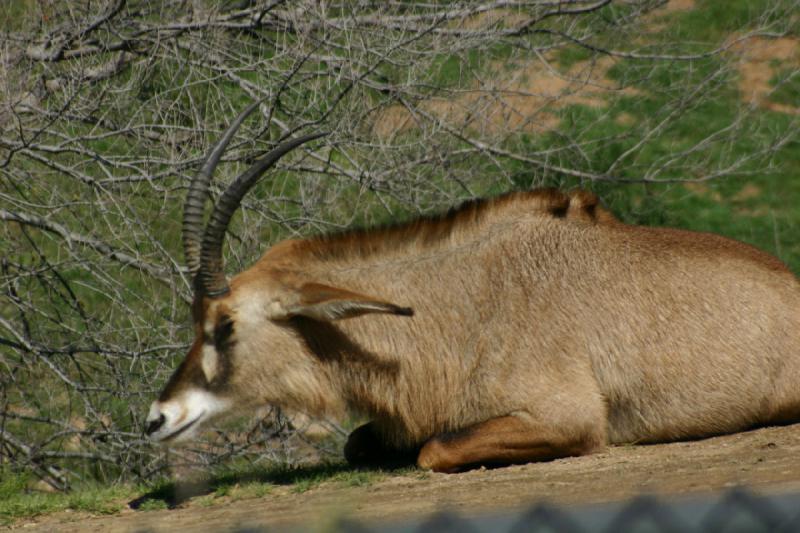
(178, 420)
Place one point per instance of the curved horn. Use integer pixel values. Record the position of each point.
(196, 197)
(212, 276)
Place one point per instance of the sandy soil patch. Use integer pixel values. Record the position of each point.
(703, 189)
(760, 59)
(656, 20)
(488, 19)
(748, 192)
(523, 97)
(675, 6)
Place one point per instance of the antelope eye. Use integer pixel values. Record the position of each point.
(223, 331)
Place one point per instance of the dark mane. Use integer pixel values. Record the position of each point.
(430, 230)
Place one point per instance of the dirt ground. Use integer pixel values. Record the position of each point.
(766, 460)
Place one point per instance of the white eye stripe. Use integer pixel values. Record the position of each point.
(208, 361)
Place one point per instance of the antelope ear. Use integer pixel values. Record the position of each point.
(325, 303)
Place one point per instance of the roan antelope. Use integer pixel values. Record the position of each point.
(526, 327)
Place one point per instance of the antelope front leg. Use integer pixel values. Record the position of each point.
(365, 449)
(506, 440)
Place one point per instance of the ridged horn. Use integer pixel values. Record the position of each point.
(194, 205)
(211, 277)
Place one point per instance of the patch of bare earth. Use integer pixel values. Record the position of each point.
(677, 5)
(702, 189)
(656, 20)
(505, 17)
(518, 97)
(760, 59)
(766, 460)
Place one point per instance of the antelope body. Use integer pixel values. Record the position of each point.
(527, 327)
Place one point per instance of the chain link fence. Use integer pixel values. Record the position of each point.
(737, 511)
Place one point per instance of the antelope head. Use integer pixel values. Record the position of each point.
(245, 349)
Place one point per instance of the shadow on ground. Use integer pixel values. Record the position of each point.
(174, 493)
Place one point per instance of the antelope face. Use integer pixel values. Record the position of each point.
(249, 351)
(244, 354)
(199, 388)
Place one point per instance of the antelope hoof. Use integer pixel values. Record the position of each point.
(435, 456)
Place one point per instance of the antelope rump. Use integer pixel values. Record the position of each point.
(526, 327)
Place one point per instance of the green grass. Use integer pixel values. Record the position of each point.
(787, 87)
(224, 484)
(17, 500)
(17, 14)
(714, 20)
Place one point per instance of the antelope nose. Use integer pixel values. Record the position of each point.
(154, 425)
